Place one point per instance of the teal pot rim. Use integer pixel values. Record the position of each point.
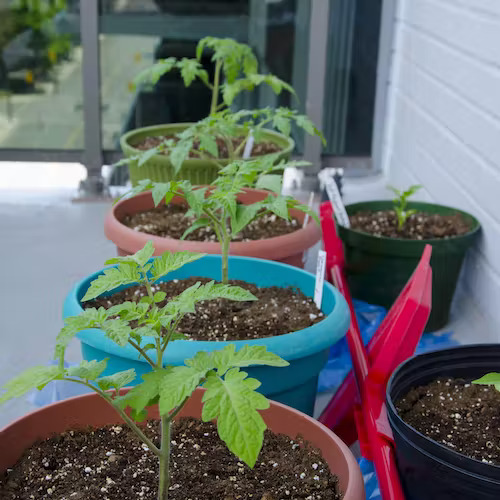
(127, 141)
(403, 247)
(290, 346)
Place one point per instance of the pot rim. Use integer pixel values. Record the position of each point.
(294, 345)
(353, 208)
(278, 246)
(125, 141)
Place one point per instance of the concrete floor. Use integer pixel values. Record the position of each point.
(48, 244)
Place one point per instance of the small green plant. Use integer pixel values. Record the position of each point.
(401, 202)
(492, 378)
(236, 70)
(217, 206)
(230, 396)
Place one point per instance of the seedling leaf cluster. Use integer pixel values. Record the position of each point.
(401, 203)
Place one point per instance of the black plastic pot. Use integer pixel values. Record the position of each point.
(379, 267)
(428, 469)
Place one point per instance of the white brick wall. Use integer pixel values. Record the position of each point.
(443, 122)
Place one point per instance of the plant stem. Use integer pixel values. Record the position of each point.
(215, 91)
(142, 352)
(164, 481)
(226, 240)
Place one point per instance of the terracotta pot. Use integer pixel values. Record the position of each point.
(91, 410)
(289, 248)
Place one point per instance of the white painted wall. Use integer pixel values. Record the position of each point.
(442, 126)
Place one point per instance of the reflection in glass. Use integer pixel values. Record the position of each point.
(40, 75)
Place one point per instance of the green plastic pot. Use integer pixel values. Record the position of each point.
(378, 267)
(159, 169)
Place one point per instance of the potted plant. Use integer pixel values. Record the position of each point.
(445, 426)
(179, 453)
(235, 215)
(198, 151)
(386, 239)
(285, 320)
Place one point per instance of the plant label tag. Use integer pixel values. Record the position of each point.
(338, 206)
(320, 278)
(248, 148)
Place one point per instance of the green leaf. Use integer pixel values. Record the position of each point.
(159, 296)
(271, 182)
(412, 190)
(162, 191)
(141, 257)
(190, 68)
(179, 153)
(124, 274)
(234, 402)
(201, 222)
(147, 155)
(36, 377)
(128, 310)
(489, 379)
(208, 144)
(87, 370)
(196, 199)
(117, 380)
(89, 318)
(278, 205)
(282, 124)
(161, 67)
(179, 384)
(118, 330)
(186, 301)
(145, 393)
(308, 126)
(247, 356)
(178, 336)
(146, 331)
(169, 262)
(244, 215)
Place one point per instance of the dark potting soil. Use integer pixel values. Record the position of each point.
(463, 416)
(259, 148)
(170, 220)
(111, 464)
(276, 312)
(419, 226)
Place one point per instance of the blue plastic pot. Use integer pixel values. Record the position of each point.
(306, 350)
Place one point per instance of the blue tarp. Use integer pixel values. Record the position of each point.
(369, 318)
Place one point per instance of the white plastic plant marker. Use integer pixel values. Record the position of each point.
(320, 278)
(334, 196)
(248, 147)
(309, 204)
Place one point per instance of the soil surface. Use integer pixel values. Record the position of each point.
(169, 220)
(420, 226)
(463, 416)
(259, 148)
(111, 464)
(276, 312)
